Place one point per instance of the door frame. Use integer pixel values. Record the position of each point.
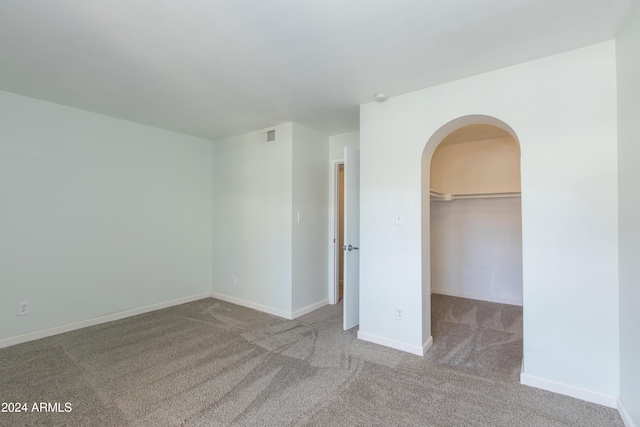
(333, 231)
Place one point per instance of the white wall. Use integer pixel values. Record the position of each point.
(476, 249)
(628, 46)
(98, 215)
(252, 221)
(279, 264)
(310, 194)
(490, 165)
(563, 110)
(476, 244)
(338, 142)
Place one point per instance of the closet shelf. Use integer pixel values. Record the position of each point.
(436, 196)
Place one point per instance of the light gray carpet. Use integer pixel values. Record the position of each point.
(211, 363)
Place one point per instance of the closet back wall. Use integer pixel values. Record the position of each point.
(476, 244)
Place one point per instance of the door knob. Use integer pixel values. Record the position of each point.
(351, 248)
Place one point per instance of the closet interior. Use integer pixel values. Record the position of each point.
(476, 225)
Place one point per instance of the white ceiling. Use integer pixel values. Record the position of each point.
(214, 68)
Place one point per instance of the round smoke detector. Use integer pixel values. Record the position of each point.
(380, 97)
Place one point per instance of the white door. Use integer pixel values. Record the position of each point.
(351, 278)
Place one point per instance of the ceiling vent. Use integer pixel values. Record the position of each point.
(268, 137)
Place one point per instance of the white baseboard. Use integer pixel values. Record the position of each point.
(570, 390)
(253, 305)
(481, 297)
(625, 415)
(309, 309)
(398, 345)
(427, 345)
(271, 310)
(7, 342)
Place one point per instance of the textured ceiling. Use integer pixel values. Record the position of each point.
(214, 68)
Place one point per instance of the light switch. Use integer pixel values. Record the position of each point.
(398, 219)
(300, 217)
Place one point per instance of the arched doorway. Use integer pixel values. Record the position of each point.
(472, 245)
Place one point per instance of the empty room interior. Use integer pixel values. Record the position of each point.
(328, 213)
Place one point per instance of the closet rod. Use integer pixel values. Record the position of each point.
(437, 196)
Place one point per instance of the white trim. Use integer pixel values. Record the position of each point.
(603, 399)
(398, 345)
(481, 297)
(309, 308)
(427, 345)
(7, 342)
(253, 305)
(625, 415)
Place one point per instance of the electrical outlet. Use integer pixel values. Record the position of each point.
(399, 313)
(23, 308)
(234, 279)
